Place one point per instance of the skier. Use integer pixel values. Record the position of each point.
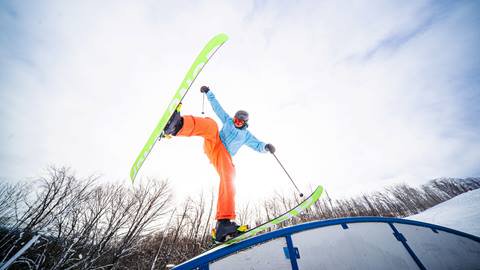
(220, 146)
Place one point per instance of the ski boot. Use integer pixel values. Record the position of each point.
(226, 230)
(174, 124)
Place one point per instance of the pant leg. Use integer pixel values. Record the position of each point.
(226, 189)
(204, 127)
(219, 157)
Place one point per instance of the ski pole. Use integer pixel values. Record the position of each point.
(293, 182)
(203, 104)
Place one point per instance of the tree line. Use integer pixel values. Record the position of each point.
(84, 224)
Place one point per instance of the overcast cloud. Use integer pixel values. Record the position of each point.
(354, 96)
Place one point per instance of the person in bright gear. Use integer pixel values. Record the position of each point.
(220, 146)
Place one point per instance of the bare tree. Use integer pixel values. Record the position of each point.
(87, 225)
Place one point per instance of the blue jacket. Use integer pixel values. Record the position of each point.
(233, 138)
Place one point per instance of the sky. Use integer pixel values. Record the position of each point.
(355, 96)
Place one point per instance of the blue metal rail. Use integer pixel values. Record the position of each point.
(202, 262)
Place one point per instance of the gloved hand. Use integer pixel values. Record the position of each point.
(270, 148)
(204, 89)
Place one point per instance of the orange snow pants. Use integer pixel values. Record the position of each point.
(218, 156)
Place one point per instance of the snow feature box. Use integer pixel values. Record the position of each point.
(349, 243)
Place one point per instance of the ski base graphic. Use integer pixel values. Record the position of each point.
(208, 51)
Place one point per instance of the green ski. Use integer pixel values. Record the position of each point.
(212, 46)
(290, 214)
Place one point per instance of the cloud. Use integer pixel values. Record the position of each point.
(354, 96)
(424, 19)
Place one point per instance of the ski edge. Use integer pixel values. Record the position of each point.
(304, 205)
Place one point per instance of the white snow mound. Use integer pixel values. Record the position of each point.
(460, 213)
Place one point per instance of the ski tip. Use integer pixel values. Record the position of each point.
(132, 175)
(317, 192)
(222, 36)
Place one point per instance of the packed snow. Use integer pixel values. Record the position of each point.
(461, 213)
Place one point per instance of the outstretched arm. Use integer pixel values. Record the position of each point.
(217, 108)
(256, 144)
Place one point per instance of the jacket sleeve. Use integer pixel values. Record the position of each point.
(255, 143)
(217, 108)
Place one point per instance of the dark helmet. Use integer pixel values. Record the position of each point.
(241, 119)
(242, 115)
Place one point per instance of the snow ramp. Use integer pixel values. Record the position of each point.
(348, 243)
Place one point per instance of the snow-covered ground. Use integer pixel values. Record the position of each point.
(461, 213)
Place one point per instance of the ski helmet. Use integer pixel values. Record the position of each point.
(242, 115)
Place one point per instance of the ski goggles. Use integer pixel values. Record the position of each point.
(238, 122)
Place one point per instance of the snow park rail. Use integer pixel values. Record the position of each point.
(348, 243)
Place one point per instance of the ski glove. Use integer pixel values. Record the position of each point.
(270, 148)
(204, 89)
